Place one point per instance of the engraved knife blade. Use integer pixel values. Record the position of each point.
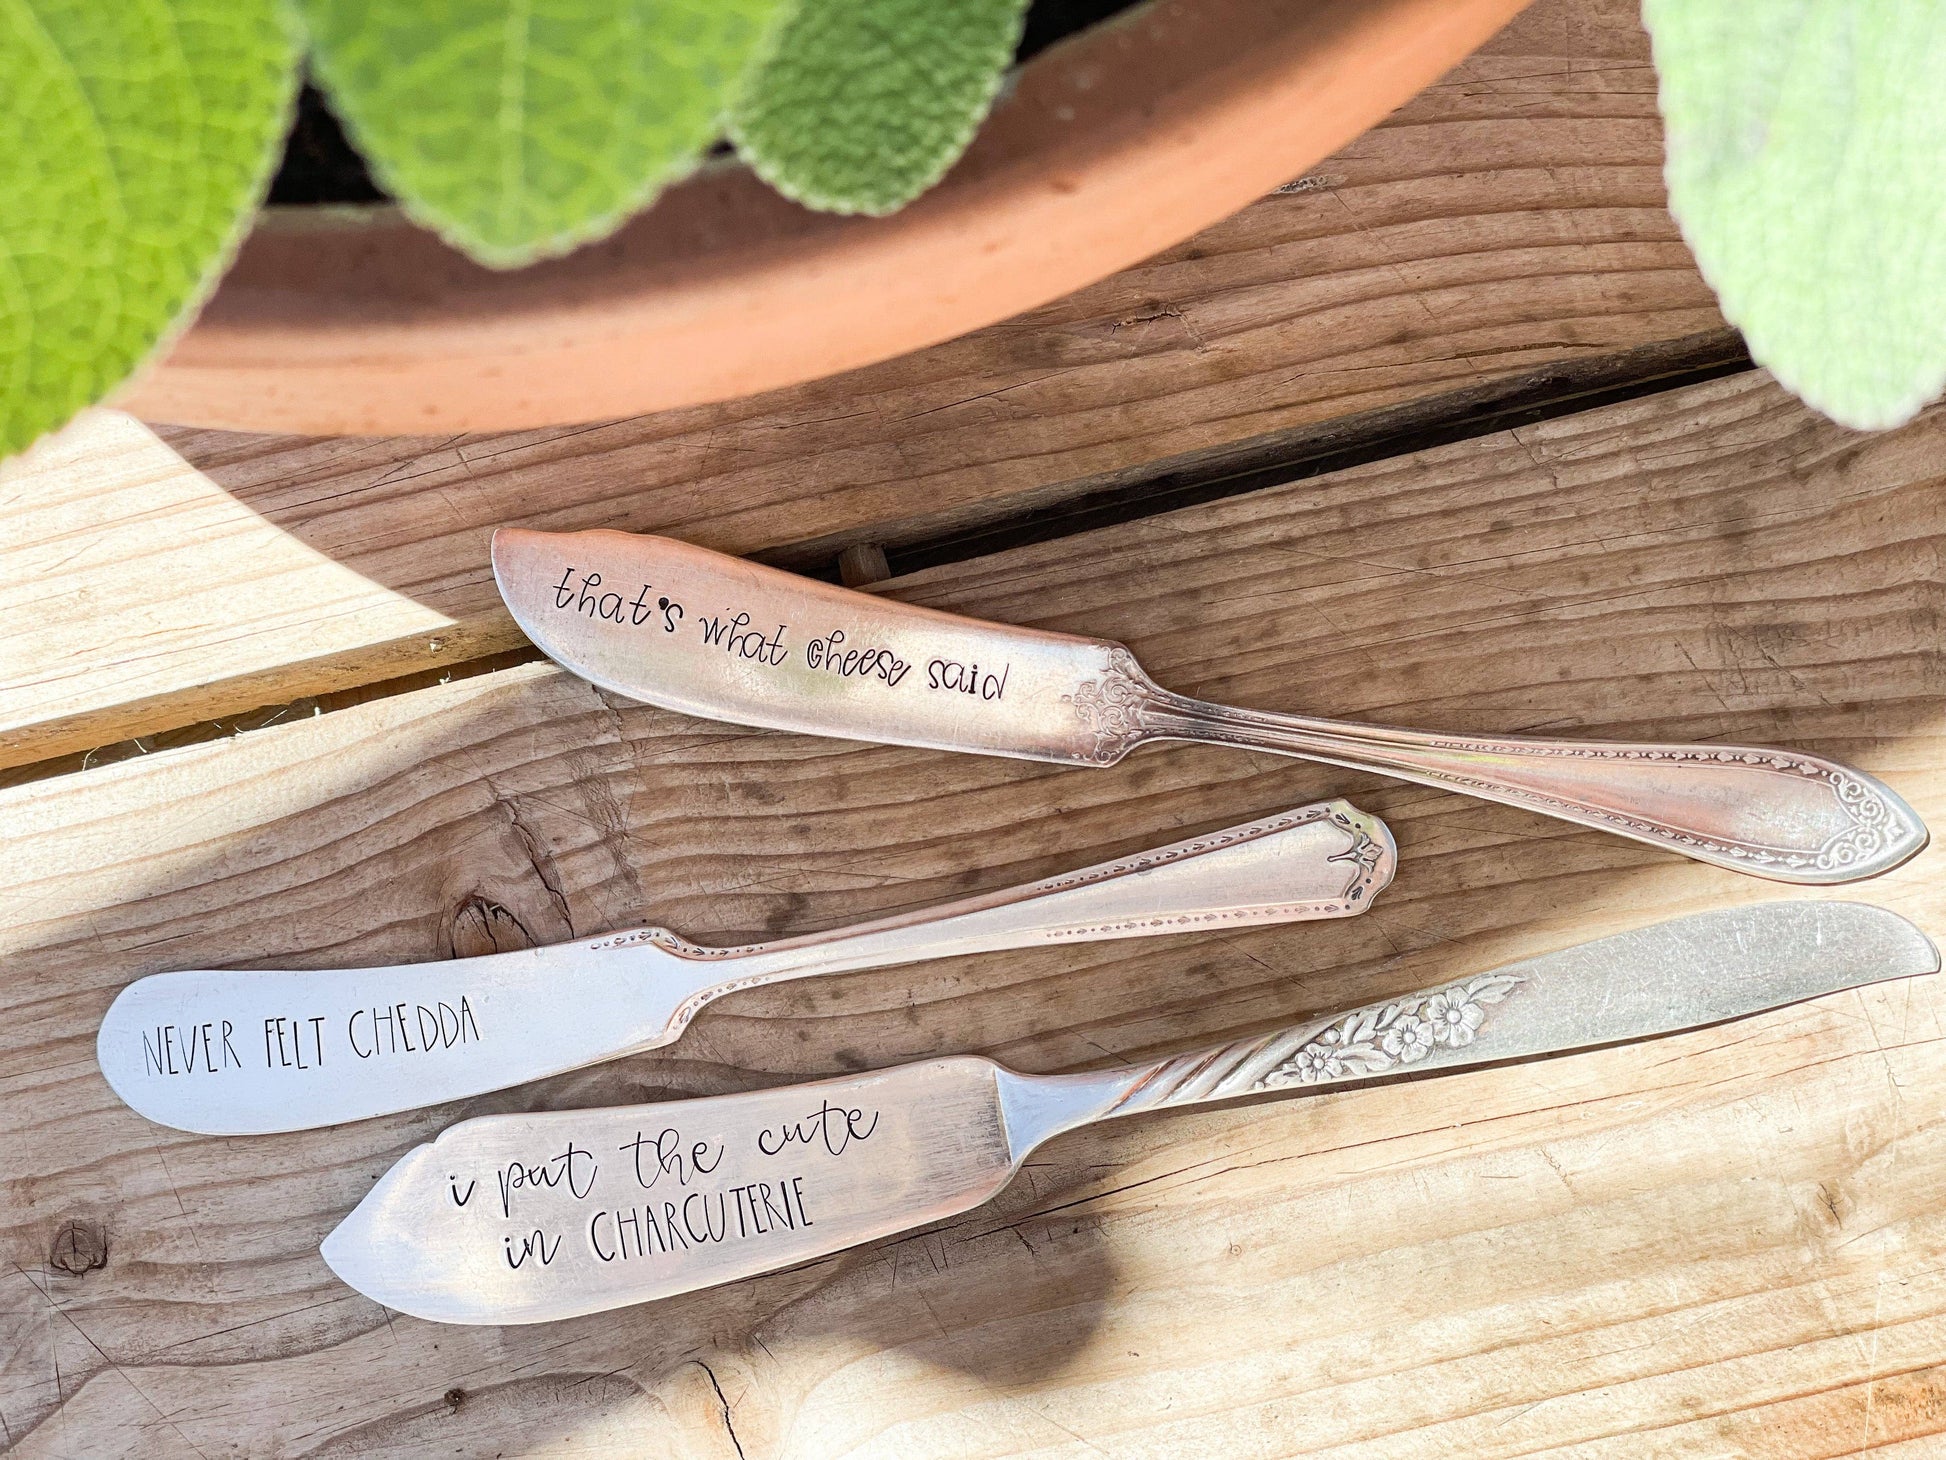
(526, 1218)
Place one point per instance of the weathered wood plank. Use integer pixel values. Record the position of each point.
(1509, 221)
(1725, 1242)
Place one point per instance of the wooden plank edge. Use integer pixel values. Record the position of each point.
(214, 709)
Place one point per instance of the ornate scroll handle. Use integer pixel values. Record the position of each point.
(1326, 860)
(1774, 813)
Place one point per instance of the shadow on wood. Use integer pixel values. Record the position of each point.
(1497, 233)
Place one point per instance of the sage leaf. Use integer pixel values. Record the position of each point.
(520, 129)
(863, 104)
(135, 139)
(1807, 167)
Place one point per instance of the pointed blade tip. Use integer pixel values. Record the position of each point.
(356, 1257)
(339, 1251)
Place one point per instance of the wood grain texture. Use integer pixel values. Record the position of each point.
(1509, 221)
(1728, 1242)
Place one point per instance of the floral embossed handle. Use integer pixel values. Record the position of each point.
(1428, 1029)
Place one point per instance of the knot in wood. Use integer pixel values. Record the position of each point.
(79, 1247)
(482, 926)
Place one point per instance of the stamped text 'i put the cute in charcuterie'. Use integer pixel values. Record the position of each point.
(668, 1204)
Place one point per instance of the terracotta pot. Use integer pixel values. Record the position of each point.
(1120, 141)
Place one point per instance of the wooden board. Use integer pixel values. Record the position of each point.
(1501, 231)
(1725, 1243)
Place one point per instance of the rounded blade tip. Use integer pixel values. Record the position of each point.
(509, 550)
(108, 1036)
(1903, 946)
(507, 541)
(115, 1039)
(526, 565)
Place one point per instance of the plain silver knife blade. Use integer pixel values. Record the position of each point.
(526, 1218)
(240, 1052)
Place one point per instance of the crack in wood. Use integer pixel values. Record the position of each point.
(728, 1427)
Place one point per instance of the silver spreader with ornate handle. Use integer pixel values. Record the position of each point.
(523, 1218)
(726, 639)
(234, 1052)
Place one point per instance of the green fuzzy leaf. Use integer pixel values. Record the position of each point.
(135, 139)
(519, 129)
(1807, 166)
(864, 104)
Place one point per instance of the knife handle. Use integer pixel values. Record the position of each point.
(1779, 814)
(1431, 1030)
(1417, 1033)
(1321, 861)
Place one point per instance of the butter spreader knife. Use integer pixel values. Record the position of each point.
(525, 1218)
(239, 1052)
(726, 639)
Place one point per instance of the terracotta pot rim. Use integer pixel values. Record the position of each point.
(1108, 147)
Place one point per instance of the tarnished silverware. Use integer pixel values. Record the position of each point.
(523, 1218)
(716, 636)
(230, 1052)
